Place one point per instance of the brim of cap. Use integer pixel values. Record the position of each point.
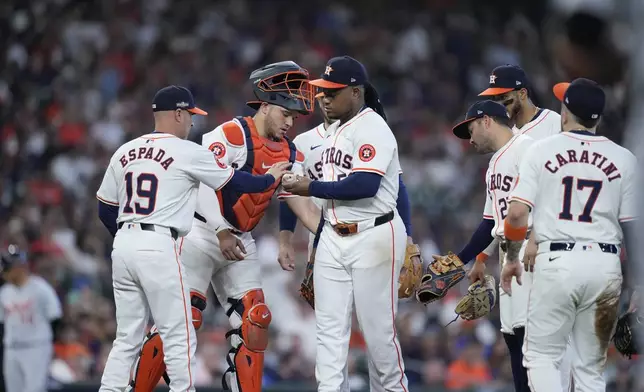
(319, 95)
(559, 90)
(460, 130)
(198, 111)
(495, 91)
(326, 84)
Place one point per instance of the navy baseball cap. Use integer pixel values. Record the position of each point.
(583, 97)
(173, 98)
(341, 72)
(476, 111)
(506, 78)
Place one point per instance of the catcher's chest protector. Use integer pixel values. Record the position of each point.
(249, 317)
(245, 210)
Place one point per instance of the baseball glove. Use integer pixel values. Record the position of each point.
(479, 300)
(411, 272)
(306, 288)
(441, 275)
(629, 325)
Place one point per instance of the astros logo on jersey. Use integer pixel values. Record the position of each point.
(218, 149)
(367, 152)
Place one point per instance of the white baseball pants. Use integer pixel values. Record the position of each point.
(148, 274)
(574, 294)
(363, 269)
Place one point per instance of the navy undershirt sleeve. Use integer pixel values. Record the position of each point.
(247, 183)
(355, 186)
(288, 219)
(403, 206)
(480, 240)
(107, 214)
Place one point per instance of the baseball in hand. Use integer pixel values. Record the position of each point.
(289, 178)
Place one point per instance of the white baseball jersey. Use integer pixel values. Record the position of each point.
(363, 144)
(501, 178)
(27, 312)
(580, 187)
(310, 144)
(154, 179)
(229, 147)
(545, 123)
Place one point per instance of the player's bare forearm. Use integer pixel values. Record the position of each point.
(306, 211)
(286, 237)
(515, 228)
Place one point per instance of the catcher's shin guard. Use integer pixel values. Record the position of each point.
(249, 317)
(149, 366)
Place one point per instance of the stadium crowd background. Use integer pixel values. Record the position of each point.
(77, 80)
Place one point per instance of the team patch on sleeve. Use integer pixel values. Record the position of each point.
(218, 149)
(366, 152)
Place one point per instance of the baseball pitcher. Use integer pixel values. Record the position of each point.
(147, 200)
(30, 313)
(363, 240)
(220, 248)
(309, 143)
(580, 187)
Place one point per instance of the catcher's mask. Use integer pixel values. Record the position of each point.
(284, 84)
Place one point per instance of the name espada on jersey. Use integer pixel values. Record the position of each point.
(545, 123)
(154, 179)
(501, 178)
(363, 144)
(580, 186)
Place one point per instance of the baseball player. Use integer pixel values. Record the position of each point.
(149, 194)
(220, 248)
(30, 313)
(309, 143)
(580, 187)
(363, 240)
(509, 85)
(487, 127)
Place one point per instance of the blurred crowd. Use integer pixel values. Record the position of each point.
(76, 81)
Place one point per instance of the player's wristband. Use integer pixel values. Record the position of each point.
(482, 257)
(514, 233)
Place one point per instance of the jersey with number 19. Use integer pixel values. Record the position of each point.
(154, 179)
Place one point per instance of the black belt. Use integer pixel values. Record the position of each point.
(201, 218)
(567, 246)
(150, 227)
(352, 228)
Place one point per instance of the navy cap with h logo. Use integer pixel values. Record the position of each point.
(173, 98)
(583, 97)
(504, 79)
(341, 72)
(479, 110)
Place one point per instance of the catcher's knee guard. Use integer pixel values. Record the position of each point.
(149, 366)
(249, 317)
